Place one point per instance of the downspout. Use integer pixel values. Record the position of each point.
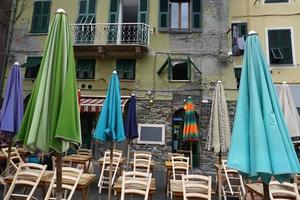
(8, 43)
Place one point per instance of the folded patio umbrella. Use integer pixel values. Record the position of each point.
(190, 127)
(218, 138)
(290, 112)
(131, 125)
(110, 123)
(51, 121)
(12, 108)
(260, 144)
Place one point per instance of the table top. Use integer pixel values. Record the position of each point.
(122, 161)
(256, 188)
(22, 151)
(77, 158)
(84, 181)
(168, 164)
(118, 185)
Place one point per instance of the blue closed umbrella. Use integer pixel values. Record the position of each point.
(131, 125)
(12, 107)
(110, 123)
(260, 143)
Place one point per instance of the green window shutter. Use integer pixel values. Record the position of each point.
(143, 11)
(40, 18)
(82, 6)
(164, 65)
(113, 11)
(163, 21)
(92, 7)
(196, 15)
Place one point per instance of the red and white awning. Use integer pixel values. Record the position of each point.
(95, 103)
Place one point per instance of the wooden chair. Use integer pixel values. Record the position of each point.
(232, 185)
(196, 186)
(64, 163)
(142, 162)
(297, 181)
(15, 158)
(136, 183)
(28, 175)
(180, 165)
(283, 190)
(170, 155)
(90, 165)
(104, 175)
(70, 180)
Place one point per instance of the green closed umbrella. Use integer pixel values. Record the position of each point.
(260, 145)
(51, 122)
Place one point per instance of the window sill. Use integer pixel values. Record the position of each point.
(179, 81)
(37, 34)
(85, 79)
(179, 31)
(127, 80)
(283, 66)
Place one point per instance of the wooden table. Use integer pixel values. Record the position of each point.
(22, 151)
(118, 187)
(122, 161)
(255, 189)
(79, 159)
(152, 164)
(83, 184)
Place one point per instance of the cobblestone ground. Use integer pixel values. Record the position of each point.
(160, 194)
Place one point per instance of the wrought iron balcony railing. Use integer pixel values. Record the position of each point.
(110, 34)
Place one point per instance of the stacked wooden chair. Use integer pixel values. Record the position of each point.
(142, 162)
(196, 187)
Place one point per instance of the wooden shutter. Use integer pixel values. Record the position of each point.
(143, 11)
(36, 17)
(44, 18)
(196, 15)
(163, 21)
(113, 11)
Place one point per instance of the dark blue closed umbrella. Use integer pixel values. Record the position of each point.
(131, 125)
(12, 107)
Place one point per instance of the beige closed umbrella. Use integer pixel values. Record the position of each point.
(218, 138)
(290, 112)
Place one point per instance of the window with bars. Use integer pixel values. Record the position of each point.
(40, 17)
(85, 68)
(180, 15)
(126, 69)
(280, 46)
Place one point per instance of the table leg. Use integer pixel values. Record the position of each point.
(85, 193)
(219, 182)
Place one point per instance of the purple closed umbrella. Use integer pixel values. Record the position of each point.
(12, 108)
(131, 125)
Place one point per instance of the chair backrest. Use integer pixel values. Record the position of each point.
(70, 180)
(84, 152)
(196, 186)
(283, 190)
(117, 155)
(136, 183)
(142, 161)
(234, 181)
(64, 163)
(297, 181)
(180, 165)
(27, 175)
(15, 158)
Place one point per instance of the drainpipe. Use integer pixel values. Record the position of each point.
(8, 42)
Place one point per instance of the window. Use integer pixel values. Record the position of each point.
(180, 70)
(86, 33)
(238, 36)
(276, 1)
(40, 17)
(280, 46)
(151, 134)
(180, 15)
(237, 74)
(32, 66)
(85, 68)
(126, 69)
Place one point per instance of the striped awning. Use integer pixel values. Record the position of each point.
(95, 103)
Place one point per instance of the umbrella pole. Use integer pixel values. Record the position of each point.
(110, 170)
(58, 176)
(219, 175)
(128, 152)
(191, 155)
(8, 156)
(266, 191)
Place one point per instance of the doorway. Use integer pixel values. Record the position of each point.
(178, 145)
(129, 14)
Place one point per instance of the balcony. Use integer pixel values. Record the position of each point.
(112, 39)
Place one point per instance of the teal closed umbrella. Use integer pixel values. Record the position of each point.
(260, 145)
(51, 121)
(110, 124)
